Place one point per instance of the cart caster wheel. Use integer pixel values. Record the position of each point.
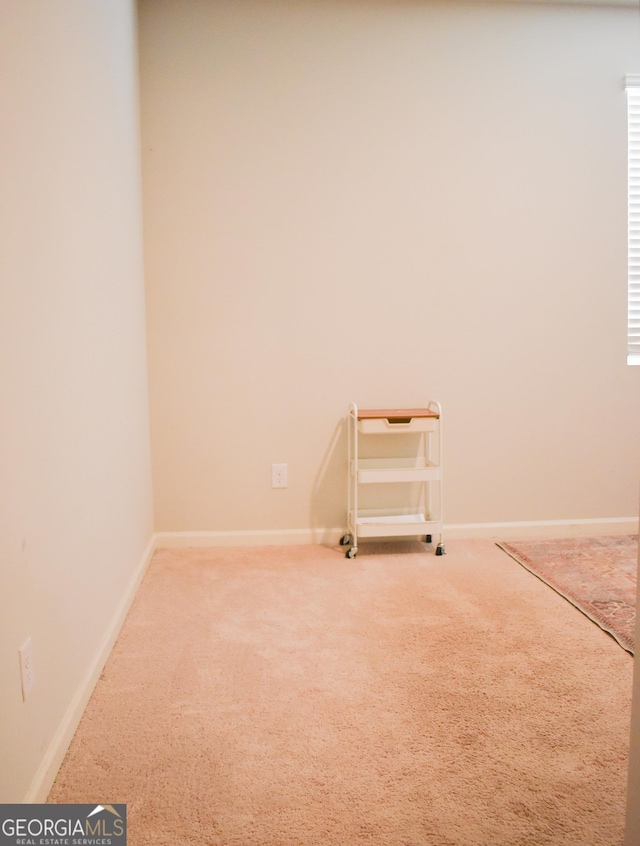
(351, 553)
(345, 540)
(440, 549)
(428, 539)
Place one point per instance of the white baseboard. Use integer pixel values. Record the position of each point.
(50, 764)
(331, 536)
(255, 537)
(544, 528)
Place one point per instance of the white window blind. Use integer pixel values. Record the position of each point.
(633, 215)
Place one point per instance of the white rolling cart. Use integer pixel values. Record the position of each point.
(416, 462)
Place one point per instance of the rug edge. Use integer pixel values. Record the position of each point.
(521, 558)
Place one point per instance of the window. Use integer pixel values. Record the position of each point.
(633, 216)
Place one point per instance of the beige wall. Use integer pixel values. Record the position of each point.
(76, 508)
(387, 202)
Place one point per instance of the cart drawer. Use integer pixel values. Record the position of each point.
(396, 425)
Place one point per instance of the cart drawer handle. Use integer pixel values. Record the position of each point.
(399, 421)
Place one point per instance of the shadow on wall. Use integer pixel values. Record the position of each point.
(329, 494)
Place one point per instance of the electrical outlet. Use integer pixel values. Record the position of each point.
(27, 674)
(278, 475)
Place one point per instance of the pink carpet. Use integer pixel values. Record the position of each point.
(290, 697)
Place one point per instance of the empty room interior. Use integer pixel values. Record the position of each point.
(226, 220)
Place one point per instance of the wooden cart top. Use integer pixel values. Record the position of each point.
(395, 413)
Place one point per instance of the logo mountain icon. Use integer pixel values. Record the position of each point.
(99, 808)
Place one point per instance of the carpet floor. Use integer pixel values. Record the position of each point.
(290, 697)
(597, 575)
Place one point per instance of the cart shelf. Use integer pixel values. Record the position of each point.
(386, 525)
(414, 469)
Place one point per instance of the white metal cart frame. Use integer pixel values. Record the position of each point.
(424, 468)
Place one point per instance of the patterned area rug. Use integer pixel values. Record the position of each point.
(597, 575)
